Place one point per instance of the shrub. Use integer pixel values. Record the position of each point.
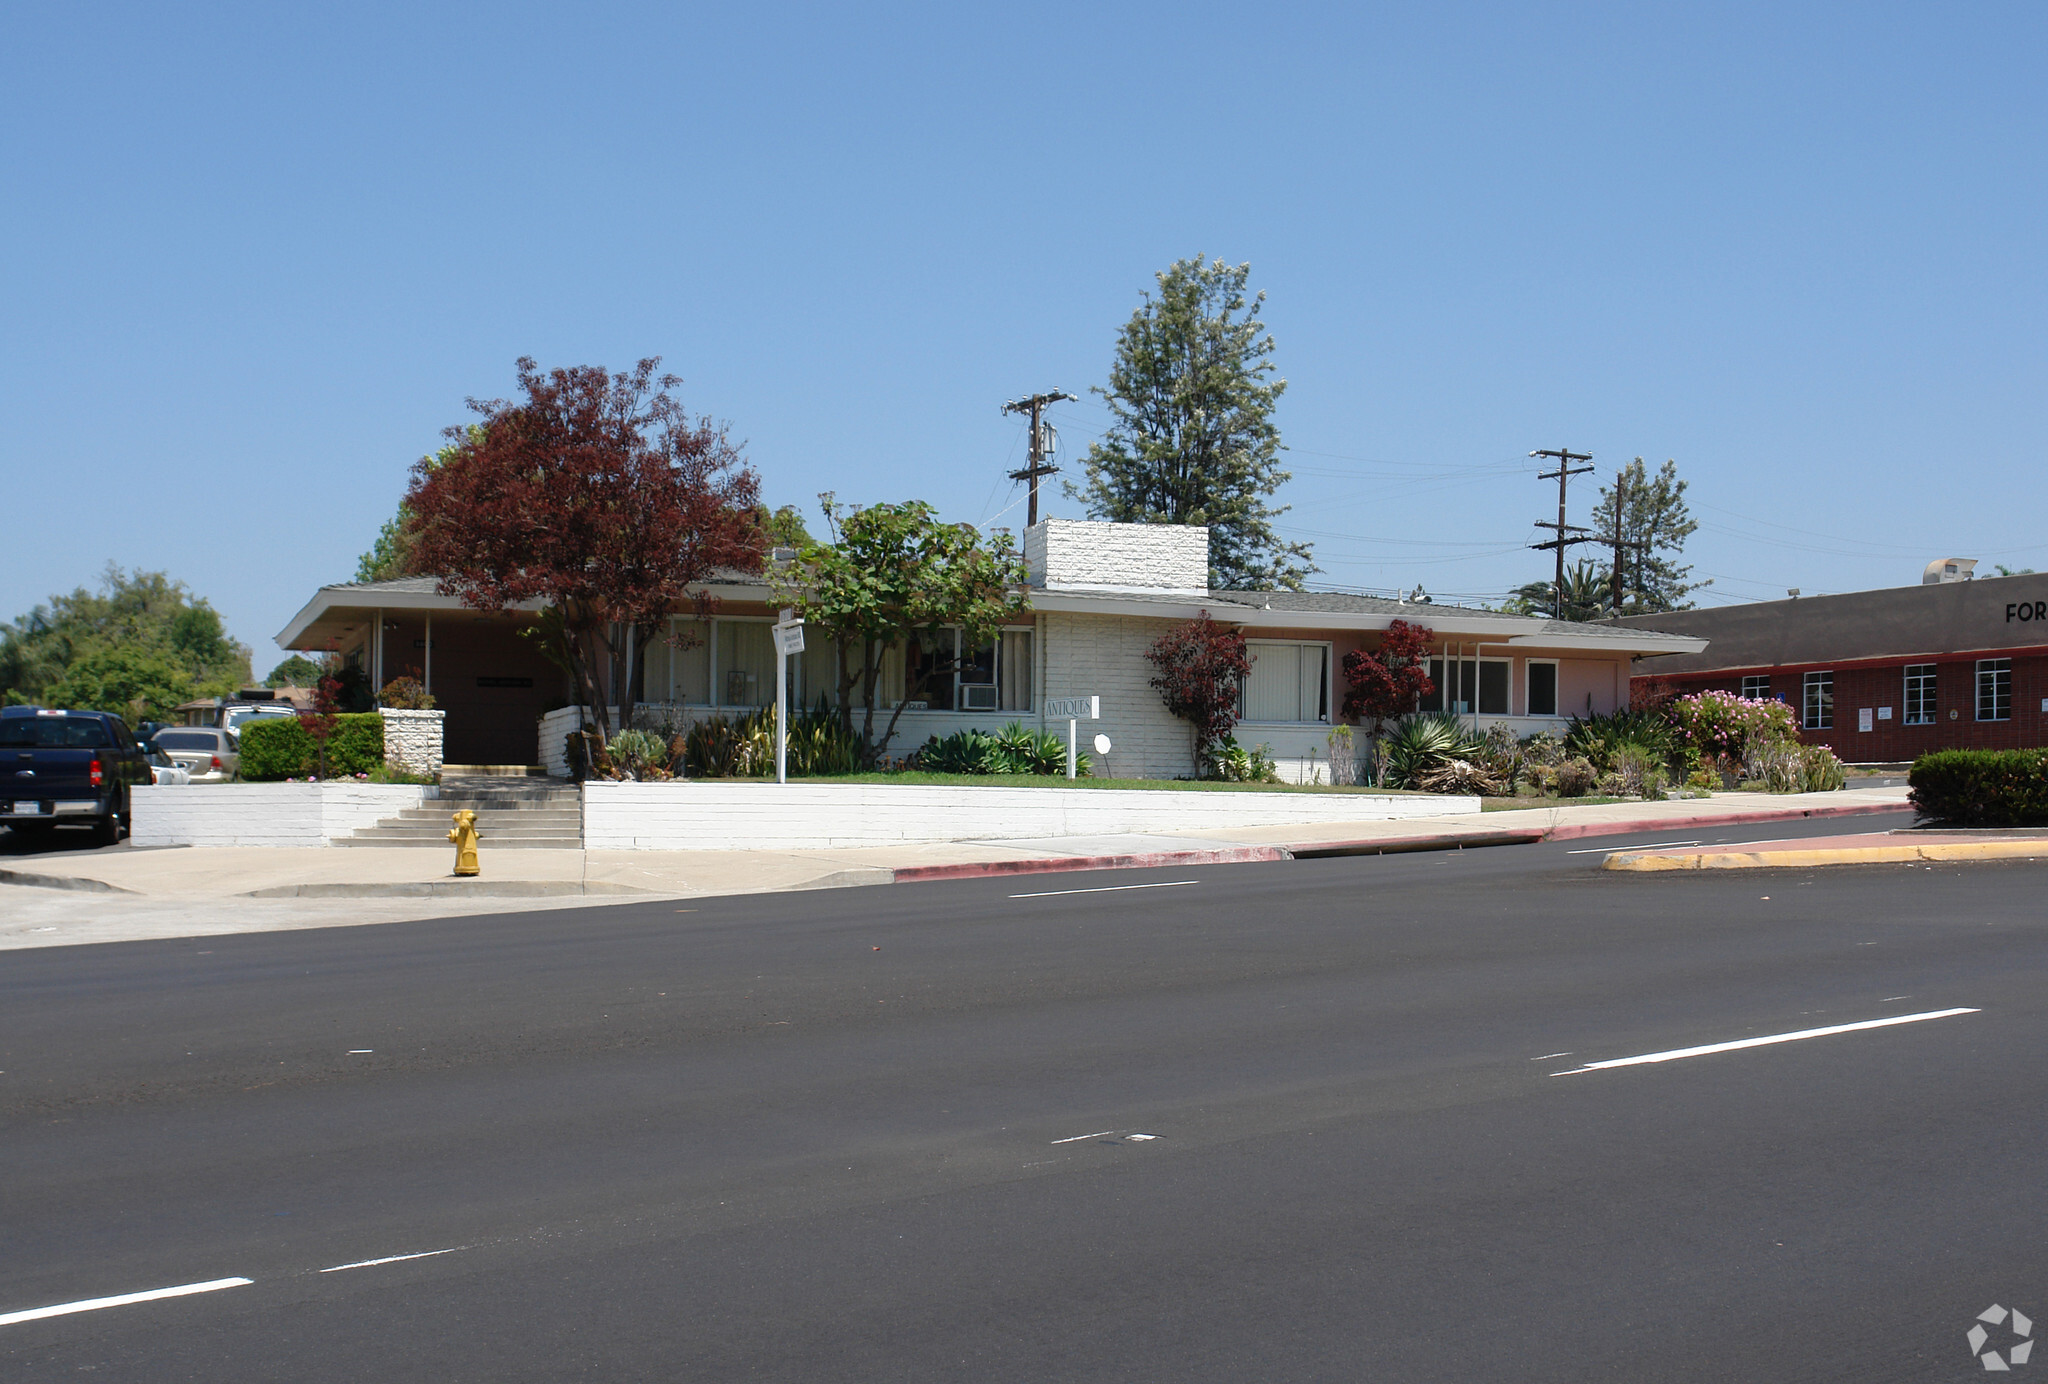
(1820, 771)
(1201, 666)
(1343, 756)
(406, 694)
(281, 747)
(721, 748)
(1575, 778)
(963, 752)
(1230, 762)
(1721, 723)
(638, 753)
(1423, 742)
(2006, 788)
(1392, 679)
(1015, 750)
(1637, 772)
(1598, 737)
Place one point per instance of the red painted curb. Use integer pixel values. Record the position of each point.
(983, 869)
(1715, 819)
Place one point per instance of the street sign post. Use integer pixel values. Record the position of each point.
(1073, 709)
(789, 639)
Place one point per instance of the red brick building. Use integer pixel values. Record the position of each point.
(1880, 676)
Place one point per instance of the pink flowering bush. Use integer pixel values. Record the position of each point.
(1721, 724)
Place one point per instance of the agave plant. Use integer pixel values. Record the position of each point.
(1425, 741)
(963, 752)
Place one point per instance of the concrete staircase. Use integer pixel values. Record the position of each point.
(511, 814)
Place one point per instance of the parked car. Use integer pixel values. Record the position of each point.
(164, 770)
(207, 754)
(64, 767)
(234, 715)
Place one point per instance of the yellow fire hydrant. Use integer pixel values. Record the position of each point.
(465, 838)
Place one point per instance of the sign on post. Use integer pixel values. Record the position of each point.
(1074, 709)
(789, 639)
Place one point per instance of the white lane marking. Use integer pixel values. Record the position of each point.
(1548, 1055)
(1889, 998)
(122, 1300)
(393, 1259)
(1107, 889)
(1140, 1138)
(354, 1052)
(1075, 1139)
(1645, 846)
(1827, 1032)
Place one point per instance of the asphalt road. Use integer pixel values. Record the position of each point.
(893, 1133)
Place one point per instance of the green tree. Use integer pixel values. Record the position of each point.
(138, 646)
(1192, 441)
(296, 671)
(1643, 521)
(783, 528)
(1586, 595)
(889, 573)
(395, 554)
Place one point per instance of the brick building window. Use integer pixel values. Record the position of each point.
(1818, 707)
(1994, 689)
(1756, 686)
(1920, 694)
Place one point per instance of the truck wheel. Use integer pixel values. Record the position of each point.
(107, 830)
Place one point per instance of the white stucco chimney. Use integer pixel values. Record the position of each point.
(1080, 554)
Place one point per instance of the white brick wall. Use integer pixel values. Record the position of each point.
(1104, 655)
(266, 814)
(720, 816)
(1150, 557)
(412, 740)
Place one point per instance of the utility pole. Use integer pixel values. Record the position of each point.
(1567, 534)
(1041, 440)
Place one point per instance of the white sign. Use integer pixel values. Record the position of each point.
(789, 639)
(1863, 718)
(1073, 709)
(1884, 713)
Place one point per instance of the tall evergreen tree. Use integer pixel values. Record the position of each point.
(1644, 522)
(1193, 442)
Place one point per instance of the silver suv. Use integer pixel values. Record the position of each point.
(209, 755)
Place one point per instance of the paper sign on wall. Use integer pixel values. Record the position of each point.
(1864, 720)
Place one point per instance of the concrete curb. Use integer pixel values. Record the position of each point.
(1400, 845)
(1574, 830)
(76, 883)
(985, 869)
(1649, 862)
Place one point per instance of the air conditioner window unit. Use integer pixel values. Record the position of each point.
(974, 698)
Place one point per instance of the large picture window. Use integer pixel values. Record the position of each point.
(1288, 682)
(1920, 694)
(1994, 689)
(1817, 706)
(1468, 684)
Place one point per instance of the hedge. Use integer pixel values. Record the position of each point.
(279, 747)
(2001, 788)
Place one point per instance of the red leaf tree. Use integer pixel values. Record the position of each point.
(1390, 681)
(1202, 666)
(598, 494)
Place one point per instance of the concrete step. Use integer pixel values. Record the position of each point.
(441, 828)
(489, 814)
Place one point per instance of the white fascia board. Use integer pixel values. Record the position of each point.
(331, 598)
(1475, 627)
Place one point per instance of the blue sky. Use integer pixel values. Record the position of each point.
(256, 258)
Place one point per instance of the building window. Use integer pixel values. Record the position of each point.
(1288, 682)
(1994, 689)
(1819, 703)
(1920, 694)
(1542, 688)
(1469, 681)
(1757, 687)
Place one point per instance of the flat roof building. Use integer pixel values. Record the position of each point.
(1880, 676)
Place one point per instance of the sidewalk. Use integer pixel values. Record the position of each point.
(126, 894)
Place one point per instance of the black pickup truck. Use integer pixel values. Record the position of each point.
(61, 767)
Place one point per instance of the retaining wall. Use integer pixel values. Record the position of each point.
(694, 815)
(266, 814)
